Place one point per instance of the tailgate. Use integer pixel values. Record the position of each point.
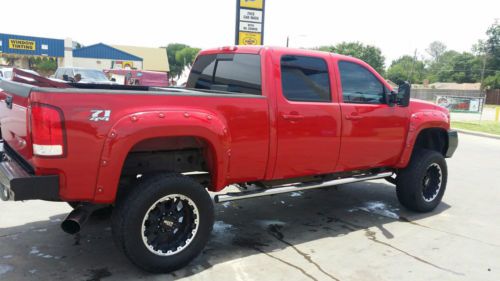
(13, 117)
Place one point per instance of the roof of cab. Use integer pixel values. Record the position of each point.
(258, 49)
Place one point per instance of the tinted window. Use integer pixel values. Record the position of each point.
(305, 79)
(359, 85)
(238, 73)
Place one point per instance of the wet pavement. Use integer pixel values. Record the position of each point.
(351, 232)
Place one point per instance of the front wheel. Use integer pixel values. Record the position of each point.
(164, 222)
(420, 186)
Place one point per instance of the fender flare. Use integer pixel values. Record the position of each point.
(420, 121)
(136, 127)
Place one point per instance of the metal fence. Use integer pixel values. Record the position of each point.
(493, 97)
(430, 94)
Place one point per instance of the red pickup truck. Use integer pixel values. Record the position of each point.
(268, 120)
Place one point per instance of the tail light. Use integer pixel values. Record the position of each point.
(47, 130)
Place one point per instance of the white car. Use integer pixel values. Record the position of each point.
(87, 75)
(6, 73)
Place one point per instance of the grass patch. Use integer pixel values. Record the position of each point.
(490, 127)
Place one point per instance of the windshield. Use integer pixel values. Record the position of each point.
(91, 74)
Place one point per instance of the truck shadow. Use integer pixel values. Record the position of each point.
(41, 251)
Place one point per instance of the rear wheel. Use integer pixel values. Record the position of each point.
(420, 186)
(164, 222)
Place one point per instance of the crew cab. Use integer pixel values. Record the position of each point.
(268, 120)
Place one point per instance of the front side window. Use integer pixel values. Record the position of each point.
(359, 85)
(305, 79)
(234, 73)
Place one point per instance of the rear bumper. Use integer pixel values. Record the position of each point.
(452, 143)
(16, 184)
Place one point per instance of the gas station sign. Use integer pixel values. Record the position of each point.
(250, 22)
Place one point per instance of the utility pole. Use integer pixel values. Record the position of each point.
(287, 40)
(412, 66)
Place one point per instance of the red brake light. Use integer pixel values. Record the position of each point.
(229, 48)
(47, 132)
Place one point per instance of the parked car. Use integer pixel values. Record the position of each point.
(138, 77)
(82, 75)
(268, 120)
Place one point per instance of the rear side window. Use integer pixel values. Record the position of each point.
(359, 85)
(305, 79)
(235, 73)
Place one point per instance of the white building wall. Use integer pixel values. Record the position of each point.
(68, 52)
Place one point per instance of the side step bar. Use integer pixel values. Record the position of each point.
(232, 196)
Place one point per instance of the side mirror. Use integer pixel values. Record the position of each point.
(113, 79)
(403, 96)
(65, 77)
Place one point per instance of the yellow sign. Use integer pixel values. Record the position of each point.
(18, 44)
(247, 38)
(254, 4)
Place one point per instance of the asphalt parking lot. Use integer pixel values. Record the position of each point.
(352, 232)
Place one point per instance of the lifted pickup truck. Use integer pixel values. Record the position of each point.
(269, 120)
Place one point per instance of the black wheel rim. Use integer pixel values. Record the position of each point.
(432, 182)
(170, 225)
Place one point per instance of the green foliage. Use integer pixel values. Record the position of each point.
(492, 49)
(370, 54)
(180, 56)
(406, 68)
(456, 67)
(44, 66)
(492, 82)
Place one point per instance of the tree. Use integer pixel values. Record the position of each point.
(187, 56)
(436, 50)
(370, 54)
(406, 68)
(492, 82)
(45, 66)
(180, 56)
(492, 49)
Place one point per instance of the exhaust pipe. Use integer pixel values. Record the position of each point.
(78, 217)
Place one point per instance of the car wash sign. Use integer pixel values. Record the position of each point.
(250, 22)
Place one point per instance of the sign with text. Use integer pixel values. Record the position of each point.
(461, 104)
(250, 22)
(18, 44)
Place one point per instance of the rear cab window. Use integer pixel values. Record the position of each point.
(232, 73)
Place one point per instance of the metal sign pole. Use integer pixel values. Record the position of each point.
(250, 16)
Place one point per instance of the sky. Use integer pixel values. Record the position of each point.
(396, 27)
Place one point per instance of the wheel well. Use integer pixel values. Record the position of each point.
(190, 155)
(433, 139)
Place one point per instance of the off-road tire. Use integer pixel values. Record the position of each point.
(412, 183)
(133, 213)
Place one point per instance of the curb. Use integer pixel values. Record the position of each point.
(478, 134)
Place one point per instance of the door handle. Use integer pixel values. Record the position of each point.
(353, 117)
(292, 117)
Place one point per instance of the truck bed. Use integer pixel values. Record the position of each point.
(145, 111)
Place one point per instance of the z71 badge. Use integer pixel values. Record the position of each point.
(100, 115)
